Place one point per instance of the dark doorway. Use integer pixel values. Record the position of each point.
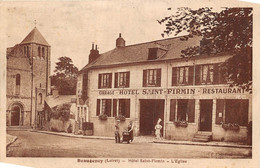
(15, 116)
(206, 115)
(150, 111)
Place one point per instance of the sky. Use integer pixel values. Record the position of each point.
(71, 27)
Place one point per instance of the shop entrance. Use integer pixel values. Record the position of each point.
(206, 115)
(150, 111)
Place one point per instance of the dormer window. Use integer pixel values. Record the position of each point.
(152, 53)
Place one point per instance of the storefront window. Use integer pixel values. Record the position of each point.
(233, 111)
(105, 80)
(120, 106)
(124, 107)
(122, 79)
(152, 77)
(182, 110)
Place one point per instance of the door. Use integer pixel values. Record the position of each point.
(15, 116)
(150, 111)
(206, 115)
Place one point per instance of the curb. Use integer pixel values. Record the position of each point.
(13, 140)
(73, 136)
(203, 144)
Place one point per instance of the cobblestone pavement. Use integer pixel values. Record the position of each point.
(32, 144)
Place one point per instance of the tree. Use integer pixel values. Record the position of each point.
(227, 31)
(65, 77)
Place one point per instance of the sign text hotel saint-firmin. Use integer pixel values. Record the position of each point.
(175, 91)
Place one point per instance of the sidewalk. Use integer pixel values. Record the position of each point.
(150, 139)
(211, 143)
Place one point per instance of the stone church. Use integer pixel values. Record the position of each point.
(28, 82)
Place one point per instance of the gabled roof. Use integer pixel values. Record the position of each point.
(35, 37)
(139, 52)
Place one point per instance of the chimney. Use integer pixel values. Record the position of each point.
(94, 54)
(120, 42)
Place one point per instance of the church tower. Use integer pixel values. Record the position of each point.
(32, 56)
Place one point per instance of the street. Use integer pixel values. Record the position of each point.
(32, 144)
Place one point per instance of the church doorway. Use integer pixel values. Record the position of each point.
(16, 113)
(150, 111)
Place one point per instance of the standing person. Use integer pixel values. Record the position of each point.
(131, 130)
(158, 128)
(117, 134)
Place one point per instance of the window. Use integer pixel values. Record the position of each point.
(182, 110)
(122, 79)
(152, 77)
(104, 107)
(43, 52)
(232, 111)
(39, 51)
(208, 74)
(17, 84)
(105, 80)
(28, 52)
(121, 107)
(24, 50)
(182, 75)
(40, 98)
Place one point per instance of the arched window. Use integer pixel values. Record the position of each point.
(40, 98)
(43, 53)
(17, 84)
(28, 52)
(39, 51)
(24, 50)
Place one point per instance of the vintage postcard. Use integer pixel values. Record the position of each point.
(129, 83)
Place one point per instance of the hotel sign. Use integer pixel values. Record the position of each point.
(175, 91)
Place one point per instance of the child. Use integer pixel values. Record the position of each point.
(158, 128)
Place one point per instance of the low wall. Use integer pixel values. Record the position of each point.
(220, 134)
(180, 133)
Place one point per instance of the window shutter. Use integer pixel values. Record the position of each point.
(220, 109)
(191, 73)
(243, 117)
(114, 107)
(216, 74)
(108, 107)
(144, 78)
(197, 74)
(158, 78)
(174, 76)
(127, 79)
(99, 80)
(110, 80)
(127, 108)
(172, 109)
(116, 80)
(191, 110)
(98, 107)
